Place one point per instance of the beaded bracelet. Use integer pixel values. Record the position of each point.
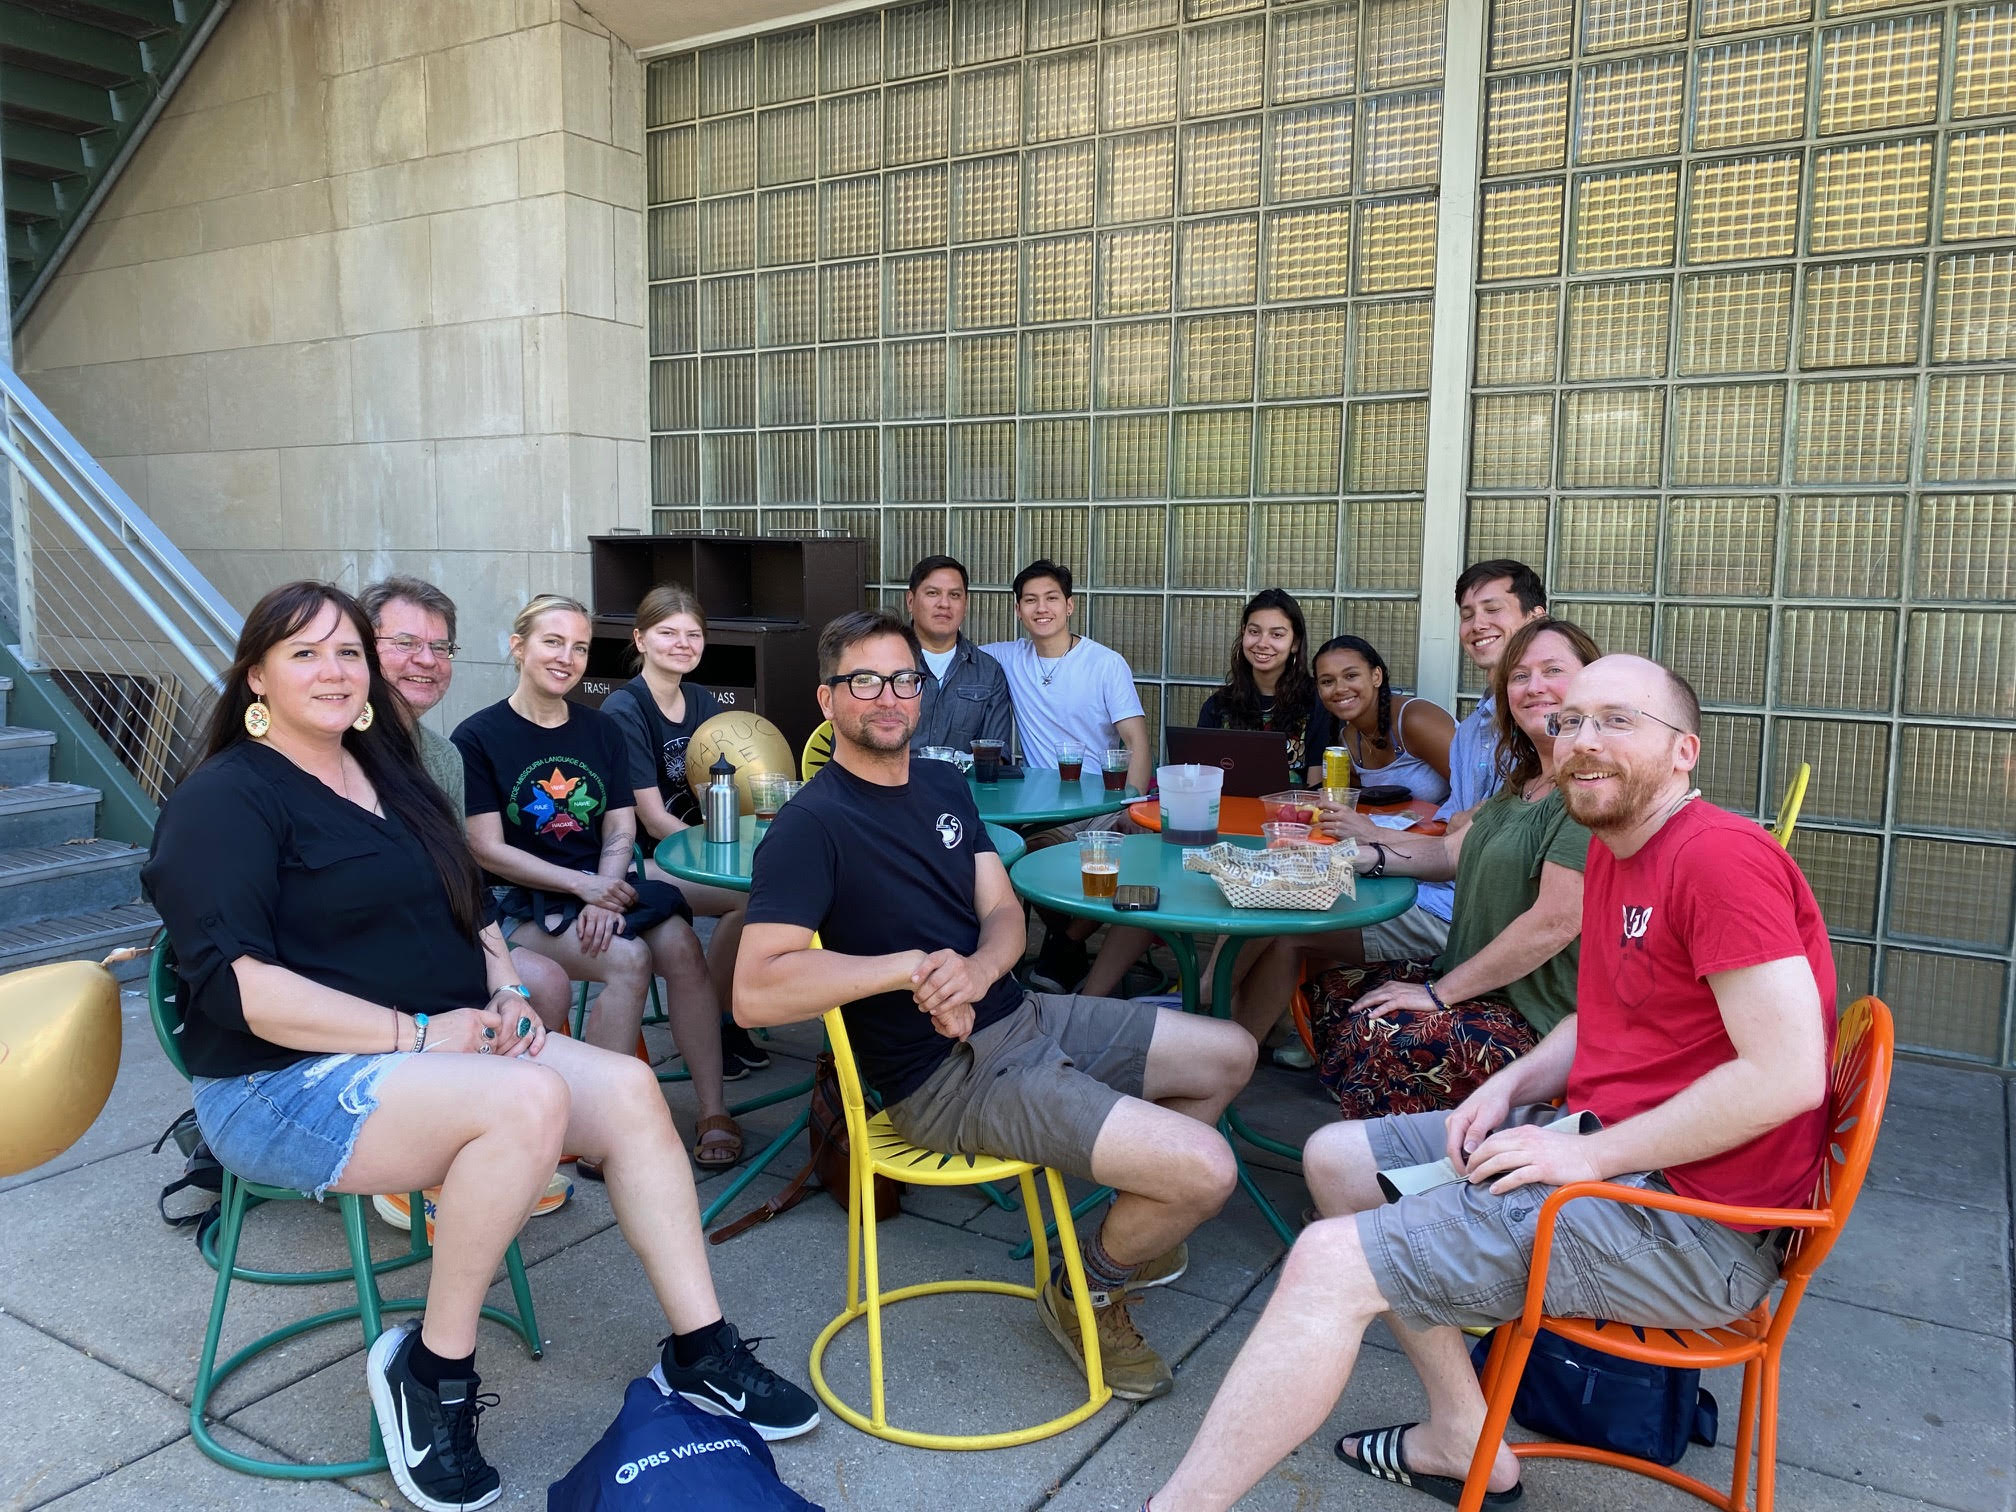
(1434, 996)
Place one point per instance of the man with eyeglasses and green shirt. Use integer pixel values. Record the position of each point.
(885, 858)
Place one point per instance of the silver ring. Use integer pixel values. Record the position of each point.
(489, 1033)
(484, 1048)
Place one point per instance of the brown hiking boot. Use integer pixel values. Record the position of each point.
(1132, 1369)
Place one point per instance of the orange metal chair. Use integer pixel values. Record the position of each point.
(1864, 1042)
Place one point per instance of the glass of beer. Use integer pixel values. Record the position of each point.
(1099, 862)
(987, 762)
(1070, 763)
(766, 794)
(1115, 769)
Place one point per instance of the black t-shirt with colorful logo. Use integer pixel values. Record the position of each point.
(877, 870)
(551, 787)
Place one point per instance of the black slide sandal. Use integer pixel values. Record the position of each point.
(1380, 1457)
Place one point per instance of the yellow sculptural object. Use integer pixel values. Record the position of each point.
(59, 1051)
(750, 742)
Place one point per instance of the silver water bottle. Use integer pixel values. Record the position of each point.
(724, 804)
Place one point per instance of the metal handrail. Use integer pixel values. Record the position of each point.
(173, 573)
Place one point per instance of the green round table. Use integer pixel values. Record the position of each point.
(1039, 796)
(685, 854)
(1191, 905)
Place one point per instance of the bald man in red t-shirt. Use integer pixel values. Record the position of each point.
(1702, 1037)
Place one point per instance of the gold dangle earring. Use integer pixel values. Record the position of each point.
(363, 721)
(258, 719)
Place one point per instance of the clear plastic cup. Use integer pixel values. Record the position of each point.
(1282, 833)
(766, 794)
(1070, 763)
(1114, 769)
(1099, 862)
(987, 761)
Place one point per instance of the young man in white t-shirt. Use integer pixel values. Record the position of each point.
(1068, 687)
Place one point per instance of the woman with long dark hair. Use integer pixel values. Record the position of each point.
(1413, 1031)
(1268, 686)
(354, 1024)
(1404, 747)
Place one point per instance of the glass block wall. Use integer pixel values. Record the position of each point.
(1745, 319)
(1139, 285)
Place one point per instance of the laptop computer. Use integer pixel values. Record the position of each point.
(1255, 761)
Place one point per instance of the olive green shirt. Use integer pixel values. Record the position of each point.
(1498, 878)
(443, 761)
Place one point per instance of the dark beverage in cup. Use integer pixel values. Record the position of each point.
(987, 762)
(1070, 765)
(1114, 770)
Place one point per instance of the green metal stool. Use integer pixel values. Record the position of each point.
(219, 1248)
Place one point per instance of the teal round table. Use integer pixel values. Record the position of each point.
(686, 854)
(1191, 906)
(1039, 796)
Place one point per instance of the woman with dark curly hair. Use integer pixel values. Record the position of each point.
(1268, 686)
(1405, 747)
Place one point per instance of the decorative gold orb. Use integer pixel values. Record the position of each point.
(59, 1051)
(749, 741)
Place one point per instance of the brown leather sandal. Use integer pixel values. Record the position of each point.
(717, 1142)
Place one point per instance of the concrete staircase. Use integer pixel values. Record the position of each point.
(64, 894)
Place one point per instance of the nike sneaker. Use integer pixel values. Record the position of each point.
(732, 1382)
(430, 1436)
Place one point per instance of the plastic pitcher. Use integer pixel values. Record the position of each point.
(1189, 797)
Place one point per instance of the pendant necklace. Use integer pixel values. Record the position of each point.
(1050, 676)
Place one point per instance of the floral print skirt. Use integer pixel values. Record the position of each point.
(1406, 1062)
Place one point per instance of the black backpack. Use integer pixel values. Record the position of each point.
(199, 1170)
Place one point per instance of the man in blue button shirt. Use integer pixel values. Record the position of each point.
(966, 696)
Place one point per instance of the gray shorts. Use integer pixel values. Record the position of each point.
(1037, 1085)
(1416, 935)
(1459, 1255)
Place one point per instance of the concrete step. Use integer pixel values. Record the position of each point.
(81, 876)
(24, 755)
(6, 687)
(80, 937)
(47, 813)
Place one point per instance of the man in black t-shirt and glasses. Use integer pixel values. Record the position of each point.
(887, 860)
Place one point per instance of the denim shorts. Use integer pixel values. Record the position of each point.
(294, 1127)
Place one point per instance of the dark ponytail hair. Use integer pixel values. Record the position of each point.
(387, 751)
(1294, 694)
(1377, 663)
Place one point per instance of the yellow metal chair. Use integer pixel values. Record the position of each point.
(1788, 809)
(879, 1150)
(818, 750)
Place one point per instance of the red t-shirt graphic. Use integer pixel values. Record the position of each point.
(1709, 892)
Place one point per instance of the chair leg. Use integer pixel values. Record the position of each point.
(863, 1217)
(369, 1302)
(1497, 1412)
(1767, 1434)
(229, 1224)
(1746, 1437)
(579, 1017)
(521, 1294)
(1074, 1272)
(1039, 1247)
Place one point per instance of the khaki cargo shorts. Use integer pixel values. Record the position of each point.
(1459, 1255)
(1037, 1085)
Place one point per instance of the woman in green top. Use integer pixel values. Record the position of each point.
(1413, 1036)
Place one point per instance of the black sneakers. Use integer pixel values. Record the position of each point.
(430, 1438)
(732, 1383)
(740, 1054)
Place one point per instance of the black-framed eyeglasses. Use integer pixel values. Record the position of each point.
(1609, 722)
(409, 645)
(867, 686)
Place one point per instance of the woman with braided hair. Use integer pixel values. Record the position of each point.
(1406, 746)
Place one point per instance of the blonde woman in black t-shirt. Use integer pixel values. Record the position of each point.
(353, 1024)
(552, 816)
